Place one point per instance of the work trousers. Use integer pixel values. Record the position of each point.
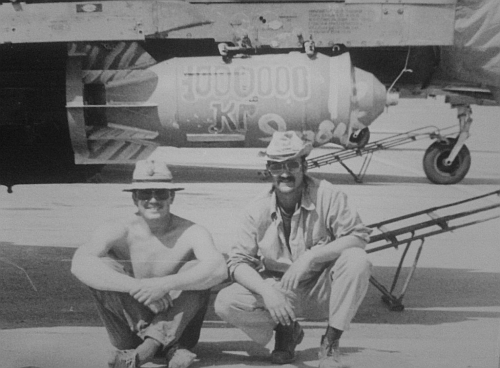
(128, 322)
(335, 294)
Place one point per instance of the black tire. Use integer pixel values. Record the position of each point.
(361, 139)
(435, 168)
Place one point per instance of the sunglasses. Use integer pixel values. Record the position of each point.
(147, 194)
(278, 168)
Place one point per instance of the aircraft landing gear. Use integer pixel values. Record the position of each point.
(447, 161)
(436, 167)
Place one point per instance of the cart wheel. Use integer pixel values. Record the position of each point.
(360, 138)
(393, 304)
(434, 163)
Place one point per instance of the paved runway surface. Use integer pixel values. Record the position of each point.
(452, 310)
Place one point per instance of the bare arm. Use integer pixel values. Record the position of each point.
(208, 270)
(89, 263)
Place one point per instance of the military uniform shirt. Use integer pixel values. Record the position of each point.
(323, 216)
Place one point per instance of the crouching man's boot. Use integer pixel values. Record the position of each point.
(286, 339)
(329, 353)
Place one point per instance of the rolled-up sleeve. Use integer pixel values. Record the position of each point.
(245, 250)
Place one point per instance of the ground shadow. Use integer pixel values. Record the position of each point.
(248, 353)
(38, 289)
(228, 352)
(61, 300)
(430, 293)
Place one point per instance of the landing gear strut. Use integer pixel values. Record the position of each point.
(447, 161)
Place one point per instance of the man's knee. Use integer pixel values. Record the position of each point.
(230, 300)
(355, 261)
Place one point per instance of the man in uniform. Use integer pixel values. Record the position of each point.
(299, 253)
(150, 275)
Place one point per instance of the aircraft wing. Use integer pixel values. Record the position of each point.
(159, 77)
(462, 93)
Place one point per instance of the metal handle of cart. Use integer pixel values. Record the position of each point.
(407, 234)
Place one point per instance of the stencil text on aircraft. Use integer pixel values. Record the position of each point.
(339, 20)
(243, 83)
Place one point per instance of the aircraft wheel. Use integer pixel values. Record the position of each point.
(434, 163)
(360, 138)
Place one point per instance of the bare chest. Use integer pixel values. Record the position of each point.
(153, 256)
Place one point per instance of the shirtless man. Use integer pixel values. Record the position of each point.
(150, 275)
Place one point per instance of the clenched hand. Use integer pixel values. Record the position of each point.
(149, 290)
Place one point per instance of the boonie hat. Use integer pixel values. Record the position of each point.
(287, 145)
(152, 174)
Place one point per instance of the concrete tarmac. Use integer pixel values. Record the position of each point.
(452, 306)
